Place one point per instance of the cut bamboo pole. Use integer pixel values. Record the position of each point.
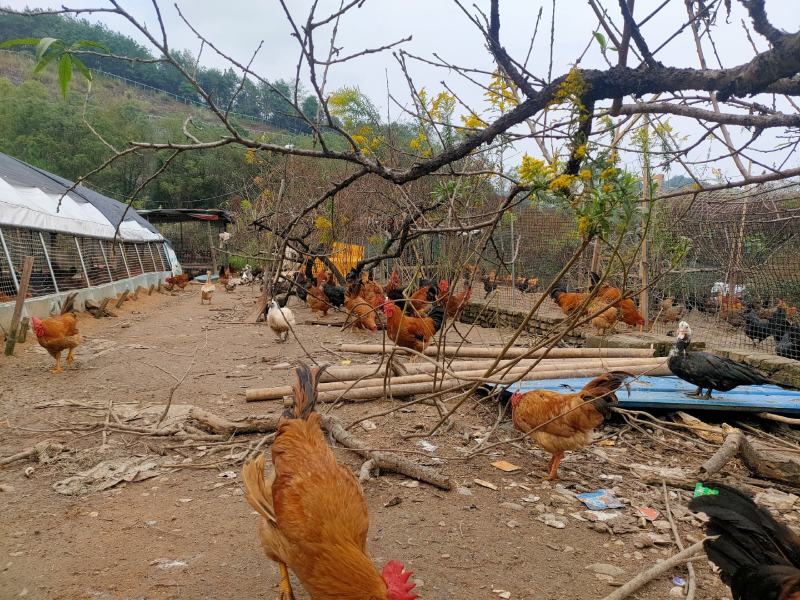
(11, 339)
(350, 373)
(410, 385)
(274, 393)
(490, 352)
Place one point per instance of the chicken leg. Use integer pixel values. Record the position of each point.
(553, 466)
(57, 368)
(696, 394)
(285, 586)
(70, 358)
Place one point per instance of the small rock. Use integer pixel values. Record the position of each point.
(502, 593)
(464, 491)
(124, 325)
(368, 425)
(184, 500)
(552, 520)
(676, 592)
(94, 514)
(512, 524)
(282, 366)
(605, 569)
(29, 471)
(6, 487)
(638, 555)
(393, 502)
(167, 564)
(662, 526)
(445, 556)
(410, 483)
(511, 506)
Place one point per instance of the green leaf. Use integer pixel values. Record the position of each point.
(44, 62)
(43, 45)
(78, 63)
(19, 42)
(64, 73)
(89, 44)
(601, 39)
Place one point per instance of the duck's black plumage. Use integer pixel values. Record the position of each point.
(756, 328)
(710, 372)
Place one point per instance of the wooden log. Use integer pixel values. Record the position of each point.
(24, 324)
(361, 394)
(772, 463)
(513, 352)
(384, 460)
(215, 424)
(11, 338)
(779, 418)
(729, 449)
(122, 298)
(465, 375)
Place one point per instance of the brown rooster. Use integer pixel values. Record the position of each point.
(314, 519)
(560, 422)
(57, 334)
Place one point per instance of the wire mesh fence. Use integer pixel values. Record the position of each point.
(65, 262)
(191, 240)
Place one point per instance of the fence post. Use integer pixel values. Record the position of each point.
(124, 259)
(10, 263)
(644, 264)
(47, 260)
(211, 246)
(83, 264)
(11, 340)
(513, 266)
(105, 260)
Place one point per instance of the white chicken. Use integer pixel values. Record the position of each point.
(280, 320)
(207, 290)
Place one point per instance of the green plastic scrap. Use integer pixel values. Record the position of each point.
(701, 490)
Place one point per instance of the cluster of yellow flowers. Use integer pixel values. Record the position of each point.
(562, 183)
(501, 93)
(572, 88)
(532, 169)
(473, 121)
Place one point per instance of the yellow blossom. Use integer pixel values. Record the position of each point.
(608, 173)
(250, 156)
(583, 225)
(561, 183)
(473, 121)
(607, 188)
(532, 169)
(585, 174)
(322, 223)
(580, 151)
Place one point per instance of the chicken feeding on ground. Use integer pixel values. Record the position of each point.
(410, 331)
(756, 328)
(361, 313)
(560, 422)
(758, 557)
(628, 312)
(710, 372)
(179, 281)
(207, 289)
(60, 333)
(280, 319)
(314, 520)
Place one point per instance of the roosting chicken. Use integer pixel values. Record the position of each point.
(57, 334)
(314, 517)
(710, 372)
(410, 331)
(574, 416)
(758, 557)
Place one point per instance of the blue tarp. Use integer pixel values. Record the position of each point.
(669, 393)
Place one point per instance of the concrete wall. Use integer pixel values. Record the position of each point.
(492, 316)
(44, 306)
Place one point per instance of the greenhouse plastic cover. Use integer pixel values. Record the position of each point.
(29, 198)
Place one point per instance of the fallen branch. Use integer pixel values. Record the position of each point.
(656, 570)
(779, 418)
(515, 352)
(691, 584)
(39, 448)
(215, 424)
(384, 460)
(730, 448)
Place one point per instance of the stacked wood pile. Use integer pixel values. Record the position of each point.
(401, 380)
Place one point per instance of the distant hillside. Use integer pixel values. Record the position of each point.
(256, 100)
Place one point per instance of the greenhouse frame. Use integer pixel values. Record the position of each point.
(74, 242)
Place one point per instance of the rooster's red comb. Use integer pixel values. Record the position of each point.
(396, 578)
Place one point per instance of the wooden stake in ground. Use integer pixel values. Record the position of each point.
(123, 297)
(11, 340)
(23, 329)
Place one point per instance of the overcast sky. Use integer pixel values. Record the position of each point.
(437, 26)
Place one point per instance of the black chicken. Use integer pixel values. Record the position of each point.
(758, 557)
(489, 285)
(789, 345)
(709, 372)
(778, 323)
(755, 328)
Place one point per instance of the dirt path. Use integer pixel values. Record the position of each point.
(189, 534)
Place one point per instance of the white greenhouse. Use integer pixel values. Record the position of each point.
(73, 246)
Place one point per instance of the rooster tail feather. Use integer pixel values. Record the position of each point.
(600, 390)
(69, 303)
(750, 539)
(437, 316)
(256, 491)
(305, 391)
